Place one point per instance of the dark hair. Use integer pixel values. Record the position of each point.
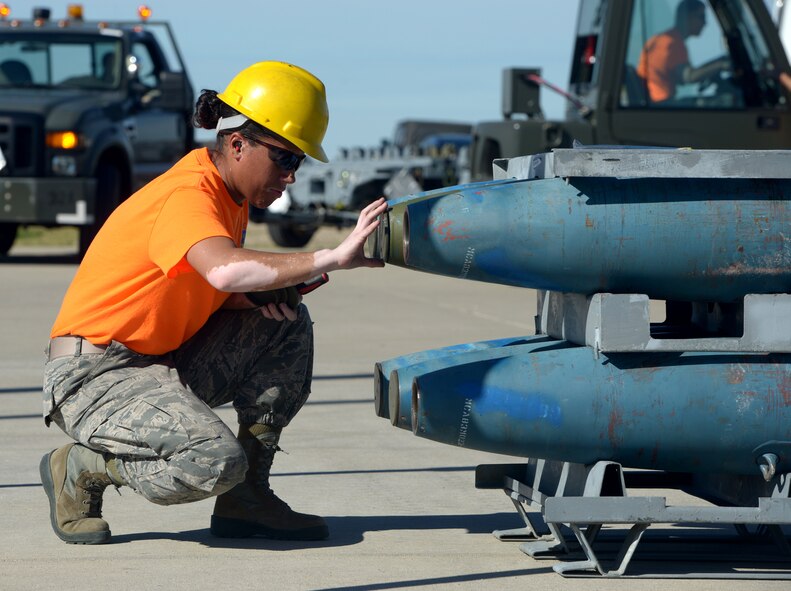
(686, 8)
(208, 110)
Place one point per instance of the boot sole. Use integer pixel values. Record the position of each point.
(225, 527)
(49, 488)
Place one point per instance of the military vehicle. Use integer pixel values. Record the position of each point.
(422, 155)
(89, 112)
(739, 106)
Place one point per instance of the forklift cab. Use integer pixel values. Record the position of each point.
(735, 102)
(738, 104)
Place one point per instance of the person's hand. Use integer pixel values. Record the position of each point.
(278, 312)
(349, 253)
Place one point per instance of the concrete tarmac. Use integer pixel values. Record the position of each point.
(403, 511)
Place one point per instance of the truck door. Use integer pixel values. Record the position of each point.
(702, 75)
(157, 134)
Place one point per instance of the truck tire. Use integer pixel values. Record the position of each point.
(291, 236)
(7, 236)
(108, 197)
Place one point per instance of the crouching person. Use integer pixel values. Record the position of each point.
(168, 316)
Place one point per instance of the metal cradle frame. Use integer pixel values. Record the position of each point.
(565, 506)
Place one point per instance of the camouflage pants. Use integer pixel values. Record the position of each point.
(153, 413)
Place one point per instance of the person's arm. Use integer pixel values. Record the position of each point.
(785, 80)
(231, 269)
(690, 75)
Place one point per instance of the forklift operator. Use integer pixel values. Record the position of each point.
(664, 61)
(166, 319)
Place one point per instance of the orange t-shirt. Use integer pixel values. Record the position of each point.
(135, 285)
(659, 63)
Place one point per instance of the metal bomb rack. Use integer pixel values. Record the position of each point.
(564, 506)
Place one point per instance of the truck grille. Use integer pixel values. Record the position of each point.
(21, 142)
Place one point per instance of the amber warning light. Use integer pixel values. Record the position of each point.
(74, 11)
(144, 12)
(5, 11)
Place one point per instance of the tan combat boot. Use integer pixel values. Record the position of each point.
(74, 478)
(251, 508)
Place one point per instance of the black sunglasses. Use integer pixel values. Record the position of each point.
(286, 161)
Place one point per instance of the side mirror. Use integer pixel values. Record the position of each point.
(173, 89)
(520, 95)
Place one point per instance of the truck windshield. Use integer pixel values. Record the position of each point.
(66, 61)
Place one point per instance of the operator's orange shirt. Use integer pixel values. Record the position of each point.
(659, 63)
(135, 285)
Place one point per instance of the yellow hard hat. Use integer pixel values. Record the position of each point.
(285, 99)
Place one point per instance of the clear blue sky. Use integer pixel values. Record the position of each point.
(381, 61)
